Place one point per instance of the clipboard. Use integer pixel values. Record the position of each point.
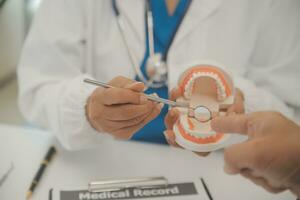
(150, 188)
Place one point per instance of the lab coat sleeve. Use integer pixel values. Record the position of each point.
(51, 72)
(272, 80)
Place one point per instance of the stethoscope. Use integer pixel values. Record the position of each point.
(156, 65)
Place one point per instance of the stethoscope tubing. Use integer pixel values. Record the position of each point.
(121, 26)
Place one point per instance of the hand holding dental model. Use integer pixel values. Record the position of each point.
(126, 108)
(271, 156)
(202, 113)
(209, 87)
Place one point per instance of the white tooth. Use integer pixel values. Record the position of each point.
(190, 133)
(222, 87)
(196, 75)
(186, 87)
(219, 80)
(221, 83)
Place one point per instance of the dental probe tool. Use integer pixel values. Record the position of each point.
(202, 113)
(149, 96)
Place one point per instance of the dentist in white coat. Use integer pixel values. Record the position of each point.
(257, 40)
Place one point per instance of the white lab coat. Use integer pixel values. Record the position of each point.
(257, 40)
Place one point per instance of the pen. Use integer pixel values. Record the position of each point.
(51, 152)
(206, 189)
(5, 176)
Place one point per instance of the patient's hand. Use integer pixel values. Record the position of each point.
(121, 111)
(173, 115)
(270, 157)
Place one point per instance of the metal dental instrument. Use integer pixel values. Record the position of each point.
(201, 113)
(149, 96)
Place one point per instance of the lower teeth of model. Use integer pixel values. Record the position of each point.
(203, 136)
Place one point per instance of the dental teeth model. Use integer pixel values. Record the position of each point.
(209, 91)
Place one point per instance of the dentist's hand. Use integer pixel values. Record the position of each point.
(271, 156)
(121, 111)
(170, 119)
(173, 115)
(238, 106)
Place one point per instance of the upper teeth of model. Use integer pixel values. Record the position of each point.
(220, 86)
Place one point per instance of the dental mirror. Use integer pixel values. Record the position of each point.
(202, 114)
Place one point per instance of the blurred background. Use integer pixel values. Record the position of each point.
(15, 20)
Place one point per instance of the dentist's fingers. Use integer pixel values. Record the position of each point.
(231, 124)
(175, 94)
(238, 105)
(111, 96)
(111, 126)
(123, 82)
(126, 112)
(202, 154)
(236, 108)
(124, 104)
(170, 137)
(171, 118)
(128, 132)
(136, 86)
(125, 91)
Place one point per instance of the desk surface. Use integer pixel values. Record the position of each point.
(115, 159)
